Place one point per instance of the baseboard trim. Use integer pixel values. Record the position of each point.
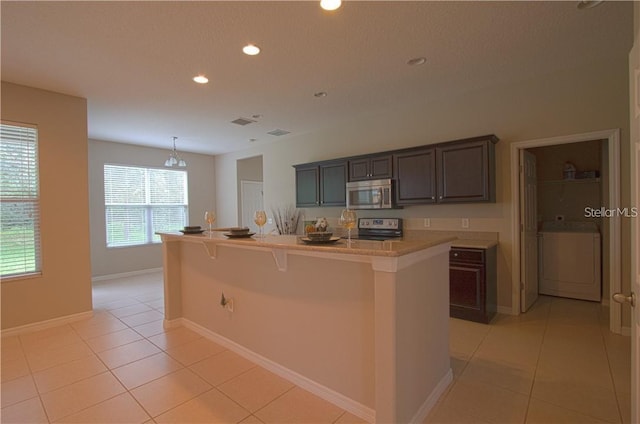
(124, 274)
(317, 389)
(506, 310)
(43, 325)
(430, 402)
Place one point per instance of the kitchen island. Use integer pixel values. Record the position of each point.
(365, 326)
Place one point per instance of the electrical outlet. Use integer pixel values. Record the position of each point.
(270, 221)
(465, 222)
(427, 222)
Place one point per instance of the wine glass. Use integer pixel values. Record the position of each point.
(348, 220)
(260, 218)
(210, 218)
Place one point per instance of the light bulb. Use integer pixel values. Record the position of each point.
(201, 79)
(251, 49)
(330, 4)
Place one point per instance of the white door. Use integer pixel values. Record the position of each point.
(635, 325)
(251, 199)
(528, 231)
(633, 297)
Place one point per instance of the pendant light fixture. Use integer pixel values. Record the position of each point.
(174, 157)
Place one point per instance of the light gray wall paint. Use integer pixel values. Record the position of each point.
(591, 98)
(104, 261)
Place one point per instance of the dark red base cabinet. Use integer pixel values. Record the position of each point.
(472, 284)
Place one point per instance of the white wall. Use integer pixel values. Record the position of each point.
(104, 261)
(574, 101)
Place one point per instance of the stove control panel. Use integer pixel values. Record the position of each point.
(380, 223)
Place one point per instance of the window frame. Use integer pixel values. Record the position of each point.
(37, 201)
(147, 206)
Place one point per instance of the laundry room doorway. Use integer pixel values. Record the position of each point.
(608, 178)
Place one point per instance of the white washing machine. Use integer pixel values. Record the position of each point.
(569, 260)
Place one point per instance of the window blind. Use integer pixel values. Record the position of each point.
(20, 250)
(142, 201)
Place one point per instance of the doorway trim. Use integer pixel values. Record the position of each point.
(615, 265)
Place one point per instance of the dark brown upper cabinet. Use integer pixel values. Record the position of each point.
(466, 171)
(460, 171)
(321, 184)
(415, 177)
(374, 167)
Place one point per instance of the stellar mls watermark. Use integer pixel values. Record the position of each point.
(610, 212)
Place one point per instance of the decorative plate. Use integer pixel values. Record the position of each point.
(309, 241)
(242, 235)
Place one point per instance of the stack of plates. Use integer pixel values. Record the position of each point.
(192, 230)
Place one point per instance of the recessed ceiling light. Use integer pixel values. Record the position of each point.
(320, 94)
(589, 4)
(201, 79)
(251, 49)
(417, 61)
(330, 4)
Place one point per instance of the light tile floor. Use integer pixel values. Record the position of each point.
(557, 363)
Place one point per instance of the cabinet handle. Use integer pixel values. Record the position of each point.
(433, 197)
(440, 197)
(455, 254)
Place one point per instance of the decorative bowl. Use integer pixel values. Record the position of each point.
(192, 228)
(319, 235)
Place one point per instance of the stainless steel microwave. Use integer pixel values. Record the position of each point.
(372, 194)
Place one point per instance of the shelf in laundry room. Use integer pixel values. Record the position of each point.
(574, 181)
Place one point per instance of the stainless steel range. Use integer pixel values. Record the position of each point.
(379, 228)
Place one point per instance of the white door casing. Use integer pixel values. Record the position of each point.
(634, 95)
(528, 230)
(635, 289)
(612, 137)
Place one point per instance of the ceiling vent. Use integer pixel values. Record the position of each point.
(279, 132)
(243, 121)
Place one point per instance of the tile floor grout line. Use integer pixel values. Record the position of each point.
(274, 399)
(535, 371)
(613, 383)
(33, 380)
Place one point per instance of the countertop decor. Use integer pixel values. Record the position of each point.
(286, 219)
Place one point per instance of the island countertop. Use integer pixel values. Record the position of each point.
(388, 248)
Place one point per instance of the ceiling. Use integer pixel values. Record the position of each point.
(134, 61)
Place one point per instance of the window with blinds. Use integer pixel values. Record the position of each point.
(20, 252)
(142, 201)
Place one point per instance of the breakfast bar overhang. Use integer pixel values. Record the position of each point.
(362, 325)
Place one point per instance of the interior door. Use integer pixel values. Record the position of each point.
(635, 289)
(528, 231)
(635, 231)
(252, 200)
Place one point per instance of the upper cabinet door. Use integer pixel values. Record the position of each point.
(358, 169)
(333, 184)
(307, 187)
(466, 172)
(380, 167)
(415, 175)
